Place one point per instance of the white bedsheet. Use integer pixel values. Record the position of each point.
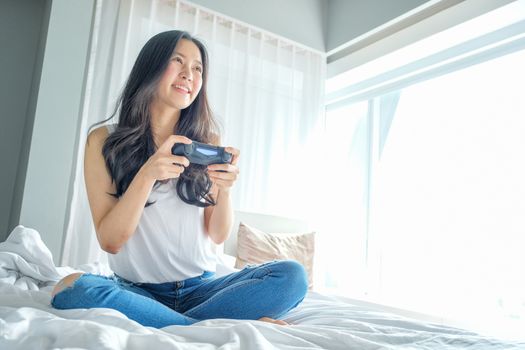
(27, 321)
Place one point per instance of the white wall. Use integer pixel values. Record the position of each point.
(47, 184)
(320, 24)
(298, 20)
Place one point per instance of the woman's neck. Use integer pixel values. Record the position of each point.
(163, 122)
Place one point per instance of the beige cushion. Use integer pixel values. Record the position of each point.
(255, 247)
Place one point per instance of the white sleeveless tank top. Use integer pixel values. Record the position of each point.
(170, 243)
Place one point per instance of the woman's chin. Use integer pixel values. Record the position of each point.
(182, 103)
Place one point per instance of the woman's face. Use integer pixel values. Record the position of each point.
(181, 82)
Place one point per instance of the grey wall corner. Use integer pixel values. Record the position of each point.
(23, 30)
(52, 153)
(14, 218)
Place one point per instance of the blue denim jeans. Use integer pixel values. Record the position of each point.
(270, 289)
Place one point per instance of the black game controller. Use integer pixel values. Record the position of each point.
(201, 153)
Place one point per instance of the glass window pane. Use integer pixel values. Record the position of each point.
(448, 197)
(344, 200)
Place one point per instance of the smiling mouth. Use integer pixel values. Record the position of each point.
(181, 89)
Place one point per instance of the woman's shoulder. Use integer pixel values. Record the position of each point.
(98, 136)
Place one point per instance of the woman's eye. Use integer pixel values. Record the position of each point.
(177, 59)
(199, 69)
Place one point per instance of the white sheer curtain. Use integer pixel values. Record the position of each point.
(266, 91)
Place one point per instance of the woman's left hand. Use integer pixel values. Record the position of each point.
(225, 175)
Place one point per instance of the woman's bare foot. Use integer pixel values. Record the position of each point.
(271, 320)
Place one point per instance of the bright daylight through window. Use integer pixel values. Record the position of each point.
(433, 202)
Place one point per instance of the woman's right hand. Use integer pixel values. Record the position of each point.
(163, 165)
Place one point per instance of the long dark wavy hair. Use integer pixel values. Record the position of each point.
(131, 144)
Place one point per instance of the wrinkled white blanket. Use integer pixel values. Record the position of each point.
(27, 321)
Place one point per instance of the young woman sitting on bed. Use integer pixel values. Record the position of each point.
(157, 214)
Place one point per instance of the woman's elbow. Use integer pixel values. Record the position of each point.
(110, 249)
(218, 237)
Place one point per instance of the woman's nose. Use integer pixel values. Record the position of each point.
(186, 74)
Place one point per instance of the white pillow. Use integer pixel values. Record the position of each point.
(256, 247)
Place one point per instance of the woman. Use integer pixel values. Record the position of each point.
(157, 214)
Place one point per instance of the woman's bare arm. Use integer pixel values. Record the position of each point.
(218, 219)
(115, 220)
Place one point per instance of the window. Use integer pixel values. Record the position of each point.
(430, 197)
(448, 195)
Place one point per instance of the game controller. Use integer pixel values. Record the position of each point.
(201, 153)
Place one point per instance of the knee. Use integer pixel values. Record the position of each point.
(65, 282)
(295, 277)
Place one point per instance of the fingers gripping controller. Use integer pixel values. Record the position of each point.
(201, 153)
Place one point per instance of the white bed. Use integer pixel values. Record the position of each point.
(27, 321)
